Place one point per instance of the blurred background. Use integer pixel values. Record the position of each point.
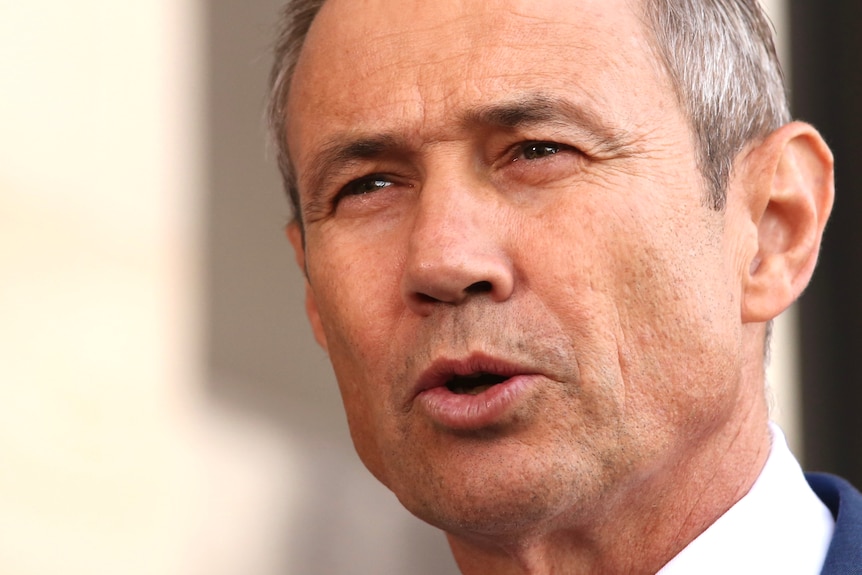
(163, 408)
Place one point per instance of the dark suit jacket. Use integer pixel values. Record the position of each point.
(845, 503)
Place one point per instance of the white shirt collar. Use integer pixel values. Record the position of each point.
(779, 526)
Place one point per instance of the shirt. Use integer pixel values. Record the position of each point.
(779, 526)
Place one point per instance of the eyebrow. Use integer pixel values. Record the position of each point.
(343, 150)
(538, 108)
(340, 152)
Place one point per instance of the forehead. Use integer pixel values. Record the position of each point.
(411, 65)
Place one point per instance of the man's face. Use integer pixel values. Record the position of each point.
(529, 309)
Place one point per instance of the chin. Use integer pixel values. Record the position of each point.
(505, 502)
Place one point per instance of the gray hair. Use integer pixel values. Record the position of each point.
(719, 54)
(296, 19)
(721, 58)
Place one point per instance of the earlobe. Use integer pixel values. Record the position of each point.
(793, 188)
(297, 240)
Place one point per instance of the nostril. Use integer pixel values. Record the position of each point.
(425, 298)
(475, 288)
(479, 287)
(431, 278)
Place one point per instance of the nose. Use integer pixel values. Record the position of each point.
(456, 250)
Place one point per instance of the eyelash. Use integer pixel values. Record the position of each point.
(524, 150)
(352, 187)
(529, 151)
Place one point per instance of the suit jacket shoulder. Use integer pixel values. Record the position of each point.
(845, 503)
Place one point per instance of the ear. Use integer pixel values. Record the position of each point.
(297, 240)
(791, 190)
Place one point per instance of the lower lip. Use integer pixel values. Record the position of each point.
(464, 412)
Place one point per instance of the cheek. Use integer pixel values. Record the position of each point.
(356, 288)
(642, 289)
(356, 291)
(357, 318)
(680, 326)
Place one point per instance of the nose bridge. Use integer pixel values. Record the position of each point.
(455, 249)
(446, 218)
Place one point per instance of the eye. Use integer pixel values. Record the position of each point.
(366, 185)
(369, 194)
(539, 163)
(539, 150)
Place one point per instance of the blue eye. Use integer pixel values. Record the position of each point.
(538, 150)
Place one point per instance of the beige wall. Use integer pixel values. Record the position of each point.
(98, 251)
(163, 409)
(104, 431)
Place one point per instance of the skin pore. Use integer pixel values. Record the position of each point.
(511, 188)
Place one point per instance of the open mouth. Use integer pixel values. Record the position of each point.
(474, 383)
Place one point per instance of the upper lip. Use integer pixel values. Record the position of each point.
(442, 370)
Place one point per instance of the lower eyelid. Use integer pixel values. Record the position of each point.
(558, 166)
